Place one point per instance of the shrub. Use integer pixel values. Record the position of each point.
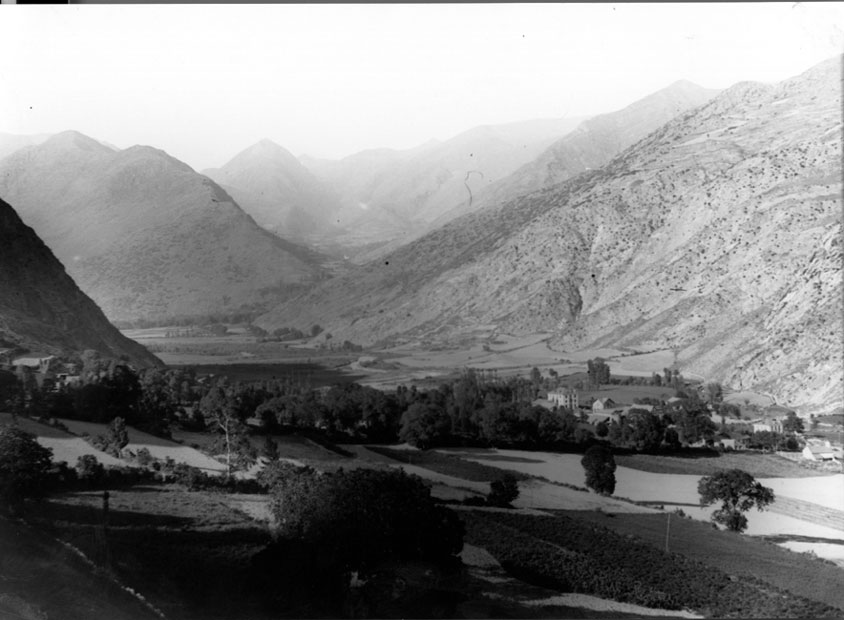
(24, 466)
(89, 469)
(503, 492)
(600, 469)
(144, 457)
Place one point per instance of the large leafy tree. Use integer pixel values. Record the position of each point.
(24, 466)
(792, 423)
(599, 464)
(362, 522)
(738, 492)
(424, 425)
(223, 417)
(646, 430)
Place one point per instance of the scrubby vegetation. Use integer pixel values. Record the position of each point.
(573, 556)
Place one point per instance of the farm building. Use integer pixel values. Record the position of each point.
(602, 404)
(564, 398)
(36, 361)
(823, 452)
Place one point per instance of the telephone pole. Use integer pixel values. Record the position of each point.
(667, 530)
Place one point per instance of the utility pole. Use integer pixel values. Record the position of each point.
(667, 530)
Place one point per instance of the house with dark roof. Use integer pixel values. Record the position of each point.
(602, 404)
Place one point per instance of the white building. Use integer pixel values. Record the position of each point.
(822, 452)
(564, 398)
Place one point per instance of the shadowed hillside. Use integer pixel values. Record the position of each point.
(41, 308)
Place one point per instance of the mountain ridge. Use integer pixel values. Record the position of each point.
(680, 241)
(42, 308)
(145, 235)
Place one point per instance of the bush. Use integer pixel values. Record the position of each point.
(24, 466)
(144, 457)
(600, 469)
(89, 469)
(503, 492)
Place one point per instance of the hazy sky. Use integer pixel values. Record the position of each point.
(204, 82)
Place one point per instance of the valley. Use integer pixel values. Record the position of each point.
(305, 350)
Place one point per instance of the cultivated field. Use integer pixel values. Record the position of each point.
(680, 490)
(755, 463)
(158, 447)
(734, 554)
(66, 447)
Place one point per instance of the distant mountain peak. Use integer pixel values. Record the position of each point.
(77, 140)
(140, 152)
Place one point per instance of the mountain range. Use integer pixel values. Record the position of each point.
(42, 309)
(145, 235)
(270, 184)
(716, 235)
(390, 195)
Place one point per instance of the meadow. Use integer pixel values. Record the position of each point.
(187, 552)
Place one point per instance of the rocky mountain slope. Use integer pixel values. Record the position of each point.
(144, 235)
(391, 195)
(270, 184)
(718, 235)
(591, 145)
(42, 309)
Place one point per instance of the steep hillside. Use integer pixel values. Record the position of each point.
(718, 235)
(391, 195)
(591, 145)
(41, 308)
(270, 184)
(144, 235)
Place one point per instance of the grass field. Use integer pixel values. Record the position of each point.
(447, 464)
(754, 463)
(158, 447)
(732, 553)
(65, 446)
(188, 553)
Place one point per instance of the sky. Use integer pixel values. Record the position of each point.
(205, 82)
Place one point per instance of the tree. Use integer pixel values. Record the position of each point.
(714, 392)
(24, 466)
(503, 492)
(423, 425)
(647, 430)
(738, 492)
(766, 440)
(118, 436)
(792, 423)
(598, 371)
(222, 414)
(599, 464)
(270, 449)
(361, 521)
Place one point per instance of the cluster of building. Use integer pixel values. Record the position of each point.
(606, 410)
(42, 366)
